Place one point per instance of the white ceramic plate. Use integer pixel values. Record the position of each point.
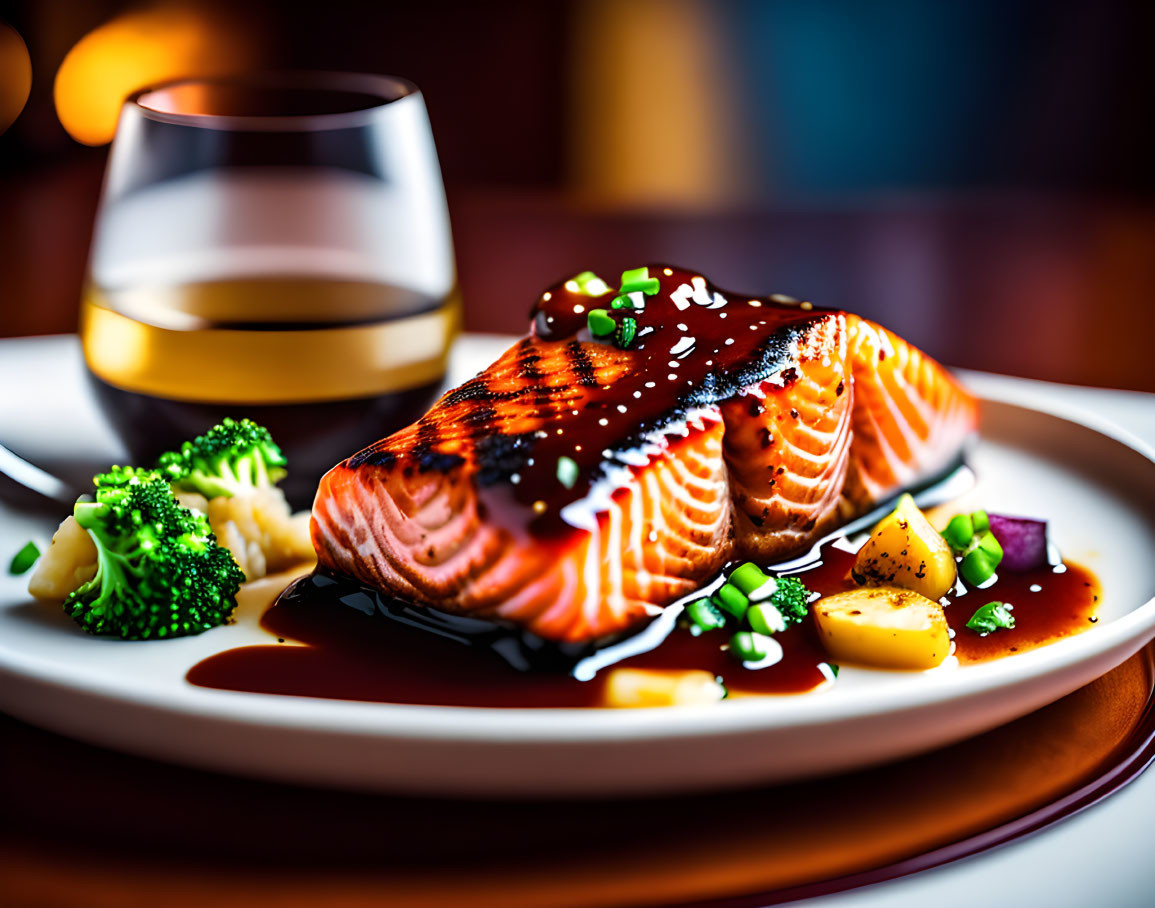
(1094, 484)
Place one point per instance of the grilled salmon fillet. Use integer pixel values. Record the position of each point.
(586, 480)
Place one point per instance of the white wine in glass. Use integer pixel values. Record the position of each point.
(276, 247)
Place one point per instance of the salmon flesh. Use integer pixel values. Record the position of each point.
(580, 484)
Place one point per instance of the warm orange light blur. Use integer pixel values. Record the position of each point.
(140, 49)
(655, 121)
(15, 75)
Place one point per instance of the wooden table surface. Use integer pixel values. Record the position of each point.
(1058, 289)
(88, 827)
(1044, 288)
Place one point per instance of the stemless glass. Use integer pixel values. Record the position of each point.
(276, 247)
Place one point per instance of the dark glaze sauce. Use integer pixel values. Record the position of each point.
(695, 346)
(354, 653)
(351, 654)
(1048, 603)
(1064, 603)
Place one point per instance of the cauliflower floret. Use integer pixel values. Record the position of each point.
(257, 527)
(69, 563)
(261, 531)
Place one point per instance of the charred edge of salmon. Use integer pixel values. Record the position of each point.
(521, 649)
(498, 456)
(426, 460)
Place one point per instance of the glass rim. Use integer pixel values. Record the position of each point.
(383, 90)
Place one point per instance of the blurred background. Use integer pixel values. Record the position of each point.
(977, 175)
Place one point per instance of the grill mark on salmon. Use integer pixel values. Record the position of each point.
(581, 365)
(743, 428)
(529, 361)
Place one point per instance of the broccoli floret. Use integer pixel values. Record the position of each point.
(160, 572)
(232, 458)
(791, 599)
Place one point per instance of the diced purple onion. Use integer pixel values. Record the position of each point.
(1024, 542)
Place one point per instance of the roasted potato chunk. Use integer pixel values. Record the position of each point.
(904, 550)
(636, 687)
(883, 627)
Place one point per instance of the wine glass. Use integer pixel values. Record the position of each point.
(274, 246)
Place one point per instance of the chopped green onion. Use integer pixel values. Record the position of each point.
(976, 568)
(963, 529)
(731, 600)
(721, 684)
(959, 532)
(639, 279)
(704, 616)
(567, 471)
(24, 559)
(748, 647)
(991, 617)
(829, 670)
(765, 591)
(621, 302)
(979, 564)
(989, 544)
(748, 577)
(587, 284)
(765, 619)
(627, 331)
(600, 323)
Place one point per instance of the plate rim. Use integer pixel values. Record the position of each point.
(1115, 640)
